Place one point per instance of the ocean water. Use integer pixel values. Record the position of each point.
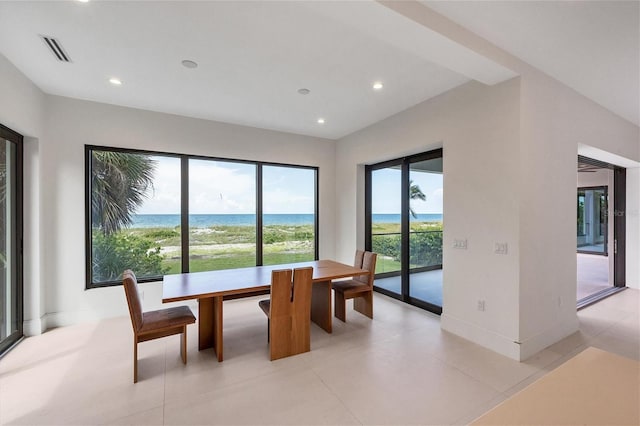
(207, 220)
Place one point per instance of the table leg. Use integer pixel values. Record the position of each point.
(205, 323)
(321, 305)
(210, 324)
(217, 326)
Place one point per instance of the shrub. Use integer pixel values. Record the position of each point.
(114, 253)
(425, 248)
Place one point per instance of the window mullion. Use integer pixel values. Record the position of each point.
(259, 221)
(184, 211)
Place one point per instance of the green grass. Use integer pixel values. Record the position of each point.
(391, 228)
(385, 264)
(224, 247)
(236, 260)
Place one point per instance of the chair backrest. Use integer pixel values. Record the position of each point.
(289, 298)
(368, 263)
(290, 312)
(302, 282)
(359, 258)
(281, 292)
(130, 284)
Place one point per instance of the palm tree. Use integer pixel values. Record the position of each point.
(119, 185)
(415, 193)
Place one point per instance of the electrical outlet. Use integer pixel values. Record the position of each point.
(481, 305)
(460, 244)
(501, 248)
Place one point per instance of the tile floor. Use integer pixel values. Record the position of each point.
(593, 274)
(397, 369)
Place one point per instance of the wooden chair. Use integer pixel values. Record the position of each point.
(359, 288)
(289, 312)
(154, 324)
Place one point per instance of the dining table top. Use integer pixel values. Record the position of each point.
(228, 282)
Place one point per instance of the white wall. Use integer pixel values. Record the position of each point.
(478, 128)
(554, 121)
(72, 123)
(22, 102)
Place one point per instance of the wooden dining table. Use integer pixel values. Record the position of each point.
(211, 288)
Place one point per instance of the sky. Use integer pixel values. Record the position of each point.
(386, 191)
(220, 187)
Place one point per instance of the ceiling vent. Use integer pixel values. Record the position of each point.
(56, 48)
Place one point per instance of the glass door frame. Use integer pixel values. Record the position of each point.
(619, 218)
(17, 139)
(405, 164)
(605, 190)
(618, 251)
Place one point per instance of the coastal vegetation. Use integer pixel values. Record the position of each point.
(230, 246)
(425, 245)
(156, 251)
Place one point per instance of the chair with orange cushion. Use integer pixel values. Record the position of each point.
(359, 288)
(154, 324)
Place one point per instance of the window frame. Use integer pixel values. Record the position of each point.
(17, 139)
(184, 206)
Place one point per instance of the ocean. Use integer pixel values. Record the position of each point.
(207, 220)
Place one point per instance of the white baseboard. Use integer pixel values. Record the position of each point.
(64, 319)
(517, 350)
(496, 342)
(532, 345)
(34, 327)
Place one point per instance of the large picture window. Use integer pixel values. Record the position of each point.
(158, 214)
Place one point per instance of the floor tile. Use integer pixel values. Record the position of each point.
(285, 397)
(399, 368)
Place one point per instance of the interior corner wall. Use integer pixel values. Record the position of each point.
(554, 120)
(22, 110)
(72, 123)
(478, 128)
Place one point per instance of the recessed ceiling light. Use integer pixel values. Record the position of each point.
(189, 64)
(115, 81)
(377, 85)
(83, 1)
(304, 91)
(320, 120)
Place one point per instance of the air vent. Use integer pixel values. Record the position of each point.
(56, 48)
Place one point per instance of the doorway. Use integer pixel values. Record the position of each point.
(11, 301)
(600, 230)
(404, 223)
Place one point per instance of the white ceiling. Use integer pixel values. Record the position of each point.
(254, 56)
(591, 46)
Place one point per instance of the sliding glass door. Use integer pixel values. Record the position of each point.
(386, 225)
(404, 226)
(425, 233)
(10, 238)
